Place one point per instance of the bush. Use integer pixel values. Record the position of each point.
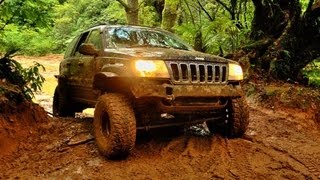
(312, 72)
(27, 79)
(26, 41)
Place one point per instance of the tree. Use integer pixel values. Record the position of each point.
(23, 19)
(19, 21)
(73, 16)
(132, 11)
(234, 9)
(286, 38)
(159, 6)
(210, 27)
(169, 14)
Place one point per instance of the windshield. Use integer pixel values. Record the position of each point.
(129, 37)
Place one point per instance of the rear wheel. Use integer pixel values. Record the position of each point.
(114, 125)
(236, 121)
(61, 105)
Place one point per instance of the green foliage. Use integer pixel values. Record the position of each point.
(23, 23)
(74, 16)
(312, 72)
(219, 31)
(28, 79)
(41, 43)
(148, 16)
(12, 39)
(24, 28)
(30, 13)
(115, 13)
(26, 41)
(33, 79)
(225, 35)
(186, 31)
(304, 4)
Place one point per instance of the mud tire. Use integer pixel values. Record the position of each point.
(61, 105)
(237, 120)
(114, 125)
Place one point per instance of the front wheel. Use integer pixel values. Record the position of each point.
(61, 104)
(236, 119)
(114, 125)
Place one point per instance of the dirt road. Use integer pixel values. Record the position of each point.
(278, 145)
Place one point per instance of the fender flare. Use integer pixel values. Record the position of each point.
(109, 81)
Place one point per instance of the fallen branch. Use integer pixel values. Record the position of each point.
(84, 141)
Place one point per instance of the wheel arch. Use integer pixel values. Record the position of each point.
(111, 82)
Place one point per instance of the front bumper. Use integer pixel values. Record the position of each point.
(184, 99)
(169, 91)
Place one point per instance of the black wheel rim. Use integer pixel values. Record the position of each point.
(105, 123)
(55, 105)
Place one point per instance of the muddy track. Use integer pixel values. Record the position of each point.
(278, 145)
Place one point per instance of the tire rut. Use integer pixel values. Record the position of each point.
(313, 165)
(290, 160)
(218, 160)
(197, 146)
(240, 166)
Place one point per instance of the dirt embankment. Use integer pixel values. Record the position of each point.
(19, 119)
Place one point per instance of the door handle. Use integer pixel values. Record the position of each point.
(80, 64)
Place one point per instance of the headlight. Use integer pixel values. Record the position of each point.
(235, 72)
(151, 68)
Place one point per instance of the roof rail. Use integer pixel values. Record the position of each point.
(98, 24)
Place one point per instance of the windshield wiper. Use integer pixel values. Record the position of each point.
(140, 45)
(157, 45)
(170, 47)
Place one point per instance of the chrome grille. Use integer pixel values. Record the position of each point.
(194, 72)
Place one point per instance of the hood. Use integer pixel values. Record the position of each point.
(166, 54)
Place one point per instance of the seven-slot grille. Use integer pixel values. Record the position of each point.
(195, 72)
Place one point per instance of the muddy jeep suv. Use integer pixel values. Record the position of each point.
(141, 78)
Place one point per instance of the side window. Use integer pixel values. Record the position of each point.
(71, 47)
(95, 39)
(82, 40)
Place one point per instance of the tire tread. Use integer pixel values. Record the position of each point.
(123, 129)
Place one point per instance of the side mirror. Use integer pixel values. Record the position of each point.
(88, 49)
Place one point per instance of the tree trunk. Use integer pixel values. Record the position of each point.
(198, 43)
(133, 12)
(159, 6)
(169, 14)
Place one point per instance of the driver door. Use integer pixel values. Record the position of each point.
(86, 68)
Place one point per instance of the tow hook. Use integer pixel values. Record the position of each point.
(170, 98)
